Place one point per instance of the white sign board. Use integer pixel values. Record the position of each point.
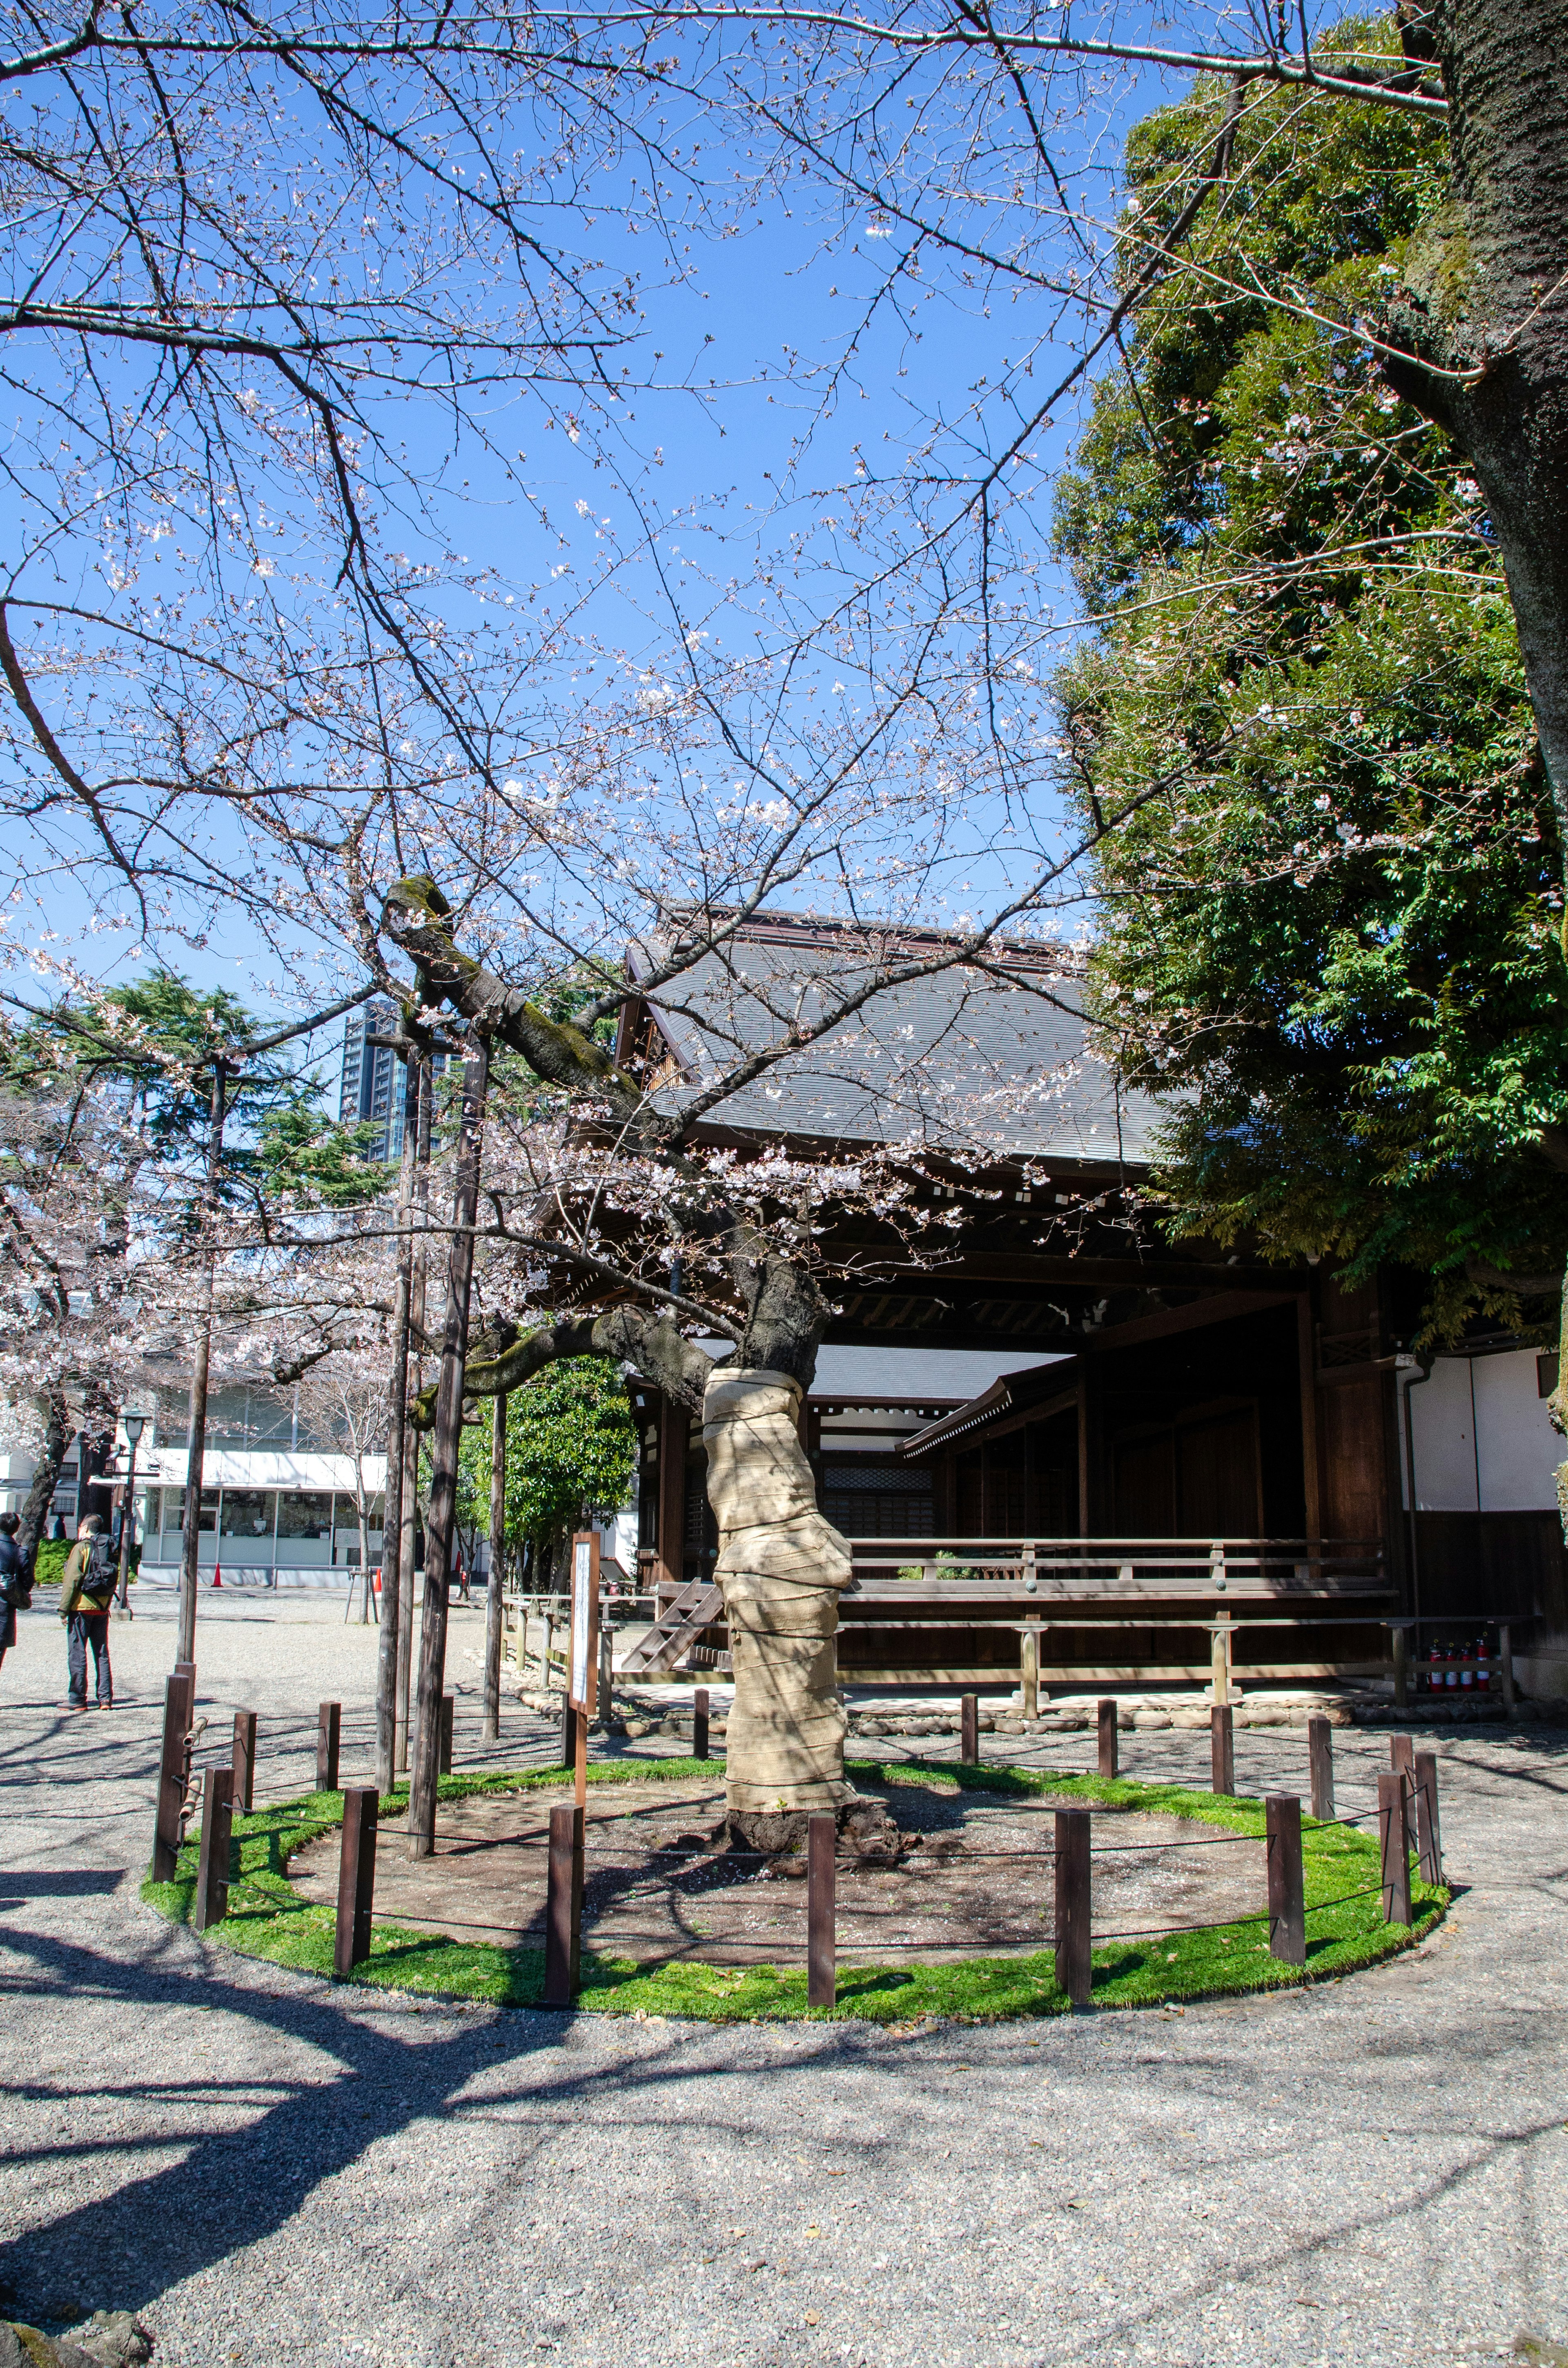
(580, 1669)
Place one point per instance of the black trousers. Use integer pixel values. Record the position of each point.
(87, 1628)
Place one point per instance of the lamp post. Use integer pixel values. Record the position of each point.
(133, 1425)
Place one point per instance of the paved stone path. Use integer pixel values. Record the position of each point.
(273, 2172)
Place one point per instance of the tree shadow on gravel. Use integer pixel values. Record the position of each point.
(230, 2189)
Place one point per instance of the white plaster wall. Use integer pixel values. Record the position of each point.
(1517, 1449)
(1484, 1441)
(1442, 1416)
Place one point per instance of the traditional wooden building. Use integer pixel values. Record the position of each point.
(1143, 1389)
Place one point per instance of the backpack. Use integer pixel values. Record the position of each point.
(102, 1574)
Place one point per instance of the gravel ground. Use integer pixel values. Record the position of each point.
(274, 2172)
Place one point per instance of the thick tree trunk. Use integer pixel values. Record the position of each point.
(195, 1449)
(783, 1568)
(57, 1433)
(491, 1728)
(427, 1755)
(1487, 316)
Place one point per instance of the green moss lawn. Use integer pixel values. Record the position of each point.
(268, 1917)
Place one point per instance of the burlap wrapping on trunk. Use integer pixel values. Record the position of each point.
(782, 1567)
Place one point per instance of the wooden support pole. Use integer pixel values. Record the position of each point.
(1393, 1842)
(212, 1869)
(1219, 1659)
(244, 1760)
(821, 1951)
(1222, 1750)
(1506, 1654)
(1320, 1758)
(564, 1906)
(177, 1695)
(968, 1728)
(329, 1722)
(448, 1706)
(1106, 1711)
(1073, 1958)
(1399, 1662)
(356, 1878)
(1402, 1755)
(700, 1723)
(1028, 1672)
(1287, 1890)
(568, 1735)
(1428, 1830)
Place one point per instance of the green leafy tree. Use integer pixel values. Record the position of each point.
(571, 1451)
(1333, 938)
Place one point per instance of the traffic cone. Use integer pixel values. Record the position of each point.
(217, 1574)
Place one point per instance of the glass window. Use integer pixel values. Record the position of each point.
(174, 1510)
(302, 1516)
(248, 1512)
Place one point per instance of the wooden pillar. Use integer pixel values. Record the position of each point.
(1506, 1654)
(328, 1727)
(1393, 1842)
(1428, 1830)
(244, 1760)
(564, 1906)
(1222, 1751)
(1320, 1757)
(700, 1723)
(1105, 1713)
(1399, 1662)
(212, 1870)
(1028, 1670)
(1073, 1951)
(968, 1728)
(356, 1878)
(1312, 1465)
(178, 1691)
(821, 1938)
(1287, 1894)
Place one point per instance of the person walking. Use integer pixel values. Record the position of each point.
(85, 1595)
(16, 1590)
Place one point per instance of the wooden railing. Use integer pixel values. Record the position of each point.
(1119, 1566)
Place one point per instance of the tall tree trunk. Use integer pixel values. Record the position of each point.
(94, 1493)
(394, 1610)
(190, 1538)
(408, 1545)
(446, 1434)
(57, 1435)
(1486, 319)
(491, 1729)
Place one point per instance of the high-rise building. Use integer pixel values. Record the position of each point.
(372, 1090)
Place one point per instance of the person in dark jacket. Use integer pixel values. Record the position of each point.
(13, 1587)
(84, 1598)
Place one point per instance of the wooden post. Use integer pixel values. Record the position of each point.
(244, 1760)
(968, 1728)
(178, 1693)
(700, 1723)
(1028, 1670)
(1320, 1756)
(1220, 1659)
(1428, 1831)
(1107, 1715)
(1394, 1840)
(605, 1698)
(1506, 1654)
(356, 1878)
(1074, 1960)
(212, 1869)
(1287, 1893)
(1222, 1750)
(1399, 1661)
(1402, 1755)
(564, 1905)
(822, 1961)
(568, 1735)
(329, 1719)
(448, 1705)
